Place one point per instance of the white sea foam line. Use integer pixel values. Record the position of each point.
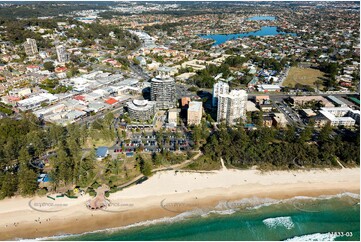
(314, 237)
(255, 202)
(177, 218)
(279, 222)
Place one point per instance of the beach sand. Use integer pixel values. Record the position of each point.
(166, 194)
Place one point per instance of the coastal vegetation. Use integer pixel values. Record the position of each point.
(283, 149)
(24, 141)
(71, 159)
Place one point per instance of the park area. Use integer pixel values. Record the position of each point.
(303, 76)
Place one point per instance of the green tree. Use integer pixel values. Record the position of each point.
(49, 66)
(9, 185)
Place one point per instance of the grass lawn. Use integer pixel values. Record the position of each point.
(304, 76)
(90, 143)
(203, 163)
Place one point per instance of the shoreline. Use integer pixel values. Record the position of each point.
(165, 195)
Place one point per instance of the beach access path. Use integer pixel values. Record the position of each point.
(172, 167)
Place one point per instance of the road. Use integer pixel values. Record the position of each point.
(291, 116)
(139, 71)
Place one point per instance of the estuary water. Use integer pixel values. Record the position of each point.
(264, 31)
(258, 18)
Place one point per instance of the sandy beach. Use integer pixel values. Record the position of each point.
(166, 194)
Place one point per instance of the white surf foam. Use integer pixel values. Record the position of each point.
(314, 237)
(273, 223)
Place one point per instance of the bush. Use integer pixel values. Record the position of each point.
(42, 192)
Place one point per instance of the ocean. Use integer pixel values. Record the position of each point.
(301, 218)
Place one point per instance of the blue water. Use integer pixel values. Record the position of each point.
(256, 18)
(264, 31)
(300, 218)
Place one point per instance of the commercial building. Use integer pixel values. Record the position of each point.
(62, 54)
(35, 102)
(30, 47)
(261, 98)
(337, 102)
(232, 106)
(162, 90)
(219, 88)
(268, 88)
(20, 92)
(141, 110)
(194, 114)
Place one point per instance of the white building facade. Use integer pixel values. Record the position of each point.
(232, 106)
(219, 88)
(30, 47)
(62, 54)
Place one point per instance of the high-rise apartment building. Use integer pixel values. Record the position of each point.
(219, 88)
(163, 89)
(232, 106)
(30, 47)
(194, 113)
(62, 54)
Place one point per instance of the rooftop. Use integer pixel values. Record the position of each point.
(195, 106)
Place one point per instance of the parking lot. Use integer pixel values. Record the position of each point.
(150, 142)
(291, 116)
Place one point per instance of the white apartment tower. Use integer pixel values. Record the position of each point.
(232, 106)
(219, 88)
(30, 47)
(162, 89)
(62, 54)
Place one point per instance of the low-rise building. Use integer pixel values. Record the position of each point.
(261, 98)
(185, 101)
(20, 92)
(35, 102)
(101, 152)
(172, 118)
(267, 121)
(268, 88)
(337, 116)
(279, 120)
(337, 102)
(307, 113)
(303, 100)
(266, 107)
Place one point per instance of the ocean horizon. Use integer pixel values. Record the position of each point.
(323, 218)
